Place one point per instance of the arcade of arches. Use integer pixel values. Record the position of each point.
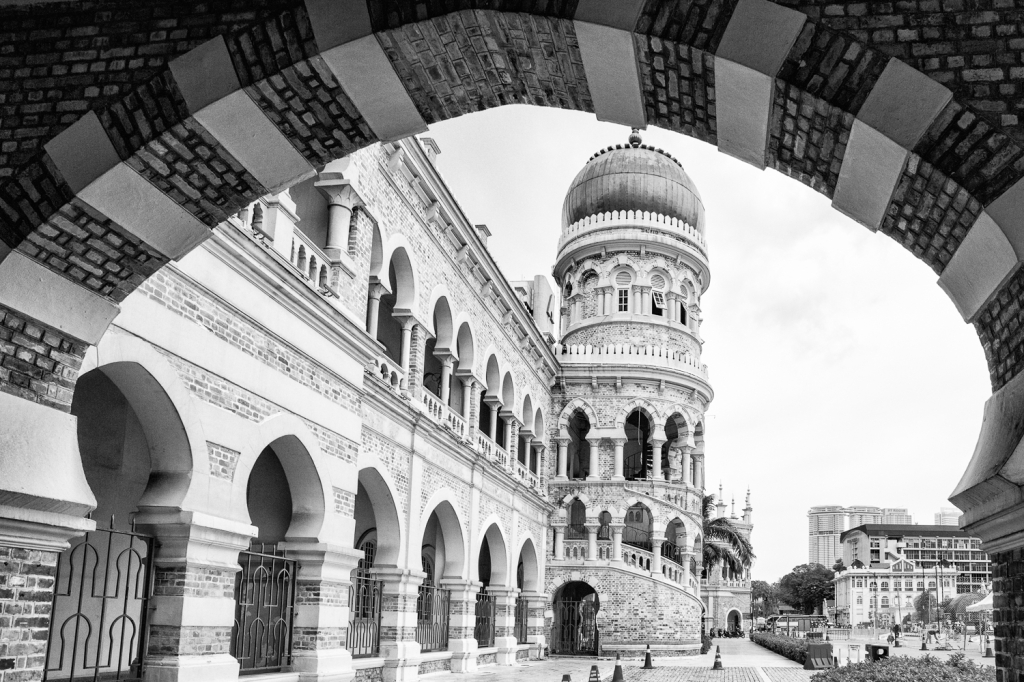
(246, 327)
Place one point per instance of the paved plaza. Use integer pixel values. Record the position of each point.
(743, 661)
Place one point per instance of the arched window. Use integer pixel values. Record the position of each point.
(658, 304)
(622, 282)
(577, 529)
(637, 451)
(885, 602)
(578, 463)
(885, 585)
(860, 599)
(920, 585)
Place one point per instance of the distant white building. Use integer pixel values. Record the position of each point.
(897, 515)
(889, 565)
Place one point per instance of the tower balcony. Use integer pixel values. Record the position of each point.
(625, 354)
(632, 559)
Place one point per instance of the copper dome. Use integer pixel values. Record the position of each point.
(633, 178)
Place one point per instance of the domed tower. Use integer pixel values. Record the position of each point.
(629, 405)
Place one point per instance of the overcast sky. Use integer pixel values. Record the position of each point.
(842, 373)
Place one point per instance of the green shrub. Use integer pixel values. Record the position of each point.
(791, 648)
(705, 644)
(901, 668)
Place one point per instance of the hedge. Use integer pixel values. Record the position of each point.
(901, 668)
(793, 649)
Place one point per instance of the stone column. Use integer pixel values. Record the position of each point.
(656, 543)
(536, 632)
(462, 623)
(617, 465)
(407, 327)
(505, 624)
(468, 388)
(670, 305)
(320, 627)
(563, 458)
(617, 529)
(373, 309)
(595, 459)
(193, 604)
(592, 541)
(511, 442)
(656, 459)
(446, 379)
(341, 199)
(646, 298)
(638, 306)
(559, 547)
(492, 429)
(398, 645)
(687, 474)
(700, 472)
(609, 301)
(538, 448)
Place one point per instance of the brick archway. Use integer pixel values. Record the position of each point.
(109, 177)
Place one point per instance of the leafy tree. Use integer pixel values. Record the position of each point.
(806, 587)
(839, 567)
(764, 598)
(723, 541)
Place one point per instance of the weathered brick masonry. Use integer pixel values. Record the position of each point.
(26, 594)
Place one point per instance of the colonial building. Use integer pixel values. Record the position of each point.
(888, 566)
(334, 441)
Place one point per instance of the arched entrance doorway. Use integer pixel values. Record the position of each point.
(734, 621)
(575, 628)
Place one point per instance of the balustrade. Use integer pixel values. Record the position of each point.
(658, 356)
(442, 414)
(388, 371)
(492, 450)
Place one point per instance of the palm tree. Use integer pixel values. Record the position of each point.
(723, 541)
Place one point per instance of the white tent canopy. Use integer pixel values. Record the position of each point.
(984, 605)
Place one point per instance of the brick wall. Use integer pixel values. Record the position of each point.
(37, 362)
(26, 597)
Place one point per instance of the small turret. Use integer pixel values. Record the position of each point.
(748, 510)
(720, 505)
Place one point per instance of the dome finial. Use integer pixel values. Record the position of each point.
(634, 138)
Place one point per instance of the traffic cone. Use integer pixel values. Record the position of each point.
(567, 678)
(718, 659)
(988, 648)
(617, 675)
(648, 665)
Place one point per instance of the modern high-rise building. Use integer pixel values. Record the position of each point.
(947, 516)
(827, 523)
(897, 515)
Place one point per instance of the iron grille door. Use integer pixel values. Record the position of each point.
(432, 611)
(485, 616)
(576, 628)
(522, 618)
(365, 598)
(261, 639)
(100, 603)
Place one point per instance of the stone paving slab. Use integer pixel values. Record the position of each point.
(788, 674)
(686, 674)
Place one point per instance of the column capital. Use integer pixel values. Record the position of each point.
(376, 290)
(338, 191)
(592, 527)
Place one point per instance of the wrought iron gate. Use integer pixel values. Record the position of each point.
(432, 609)
(576, 628)
(365, 600)
(522, 619)
(261, 639)
(100, 602)
(485, 617)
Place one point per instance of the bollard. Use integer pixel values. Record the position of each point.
(617, 675)
(648, 665)
(718, 659)
(567, 678)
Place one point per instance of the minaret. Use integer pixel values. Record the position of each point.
(721, 502)
(733, 514)
(748, 511)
